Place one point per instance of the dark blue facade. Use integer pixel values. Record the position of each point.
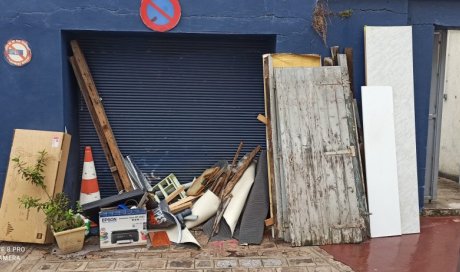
(42, 95)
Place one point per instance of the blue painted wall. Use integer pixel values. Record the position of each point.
(42, 95)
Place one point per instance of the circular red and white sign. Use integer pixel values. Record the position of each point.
(160, 15)
(17, 52)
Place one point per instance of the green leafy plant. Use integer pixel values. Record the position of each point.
(59, 215)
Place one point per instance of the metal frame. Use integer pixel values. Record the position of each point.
(435, 114)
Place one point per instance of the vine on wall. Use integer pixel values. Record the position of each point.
(321, 14)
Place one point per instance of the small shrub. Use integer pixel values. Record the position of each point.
(59, 215)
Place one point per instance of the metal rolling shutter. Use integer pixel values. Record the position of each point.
(177, 104)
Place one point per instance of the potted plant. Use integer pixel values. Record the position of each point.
(67, 225)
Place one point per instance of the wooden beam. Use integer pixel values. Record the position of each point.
(183, 201)
(269, 222)
(178, 208)
(237, 154)
(262, 119)
(334, 53)
(240, 171)
(349, 54)
(328, 62)
(270, 158)
(90, 88)
(96, 124)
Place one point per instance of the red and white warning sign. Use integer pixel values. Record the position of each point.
(17, 52)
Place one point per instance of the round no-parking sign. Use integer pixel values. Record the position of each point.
(160, 15)
(17, 52)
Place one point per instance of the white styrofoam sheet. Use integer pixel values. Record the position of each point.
(381, 165)
(389, 62)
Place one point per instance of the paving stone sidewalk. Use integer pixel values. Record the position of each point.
(216, 256)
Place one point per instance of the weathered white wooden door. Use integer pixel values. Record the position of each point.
(320, 195)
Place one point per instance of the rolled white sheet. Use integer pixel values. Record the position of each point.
(240, 193)
(186, 236)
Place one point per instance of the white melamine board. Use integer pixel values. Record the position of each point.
(381, 166)
(389, 62)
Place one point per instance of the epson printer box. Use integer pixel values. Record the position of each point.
(119, 228)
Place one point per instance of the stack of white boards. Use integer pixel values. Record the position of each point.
(389, 131)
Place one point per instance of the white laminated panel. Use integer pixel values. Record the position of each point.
(381, 162)
(389, 62)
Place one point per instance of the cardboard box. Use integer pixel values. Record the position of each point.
(17, 224)
(120, 228)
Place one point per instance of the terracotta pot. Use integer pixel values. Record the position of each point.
(70, 240)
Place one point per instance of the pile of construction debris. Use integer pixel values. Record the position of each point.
(221, 188)
(214, 201)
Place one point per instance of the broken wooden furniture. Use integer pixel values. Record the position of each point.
(168, 189)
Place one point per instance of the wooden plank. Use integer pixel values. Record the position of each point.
(283, 178)
(174, 194)
(269, 222)
(355, 138)
(381, 161)
(237, 154)
(286, 93)
(240, 171)
(353, 168)
(316, 167)
(281, 183)
(268, 128)
(349, 56)
(183, 201)
(334, 53)
(181, 207)
(340, 168)
(262, 119)
(286, 60)
(96, 124)
(100, 112)
(389, 62)
(328, 62)
(274, 190)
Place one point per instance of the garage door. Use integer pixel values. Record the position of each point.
(177, 104)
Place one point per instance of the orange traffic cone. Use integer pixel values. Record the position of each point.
(89, 186)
